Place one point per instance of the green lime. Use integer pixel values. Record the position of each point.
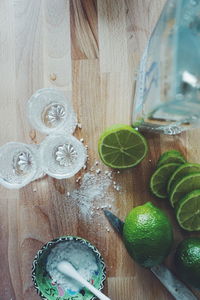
(159, 179)
(188, 211)
(184, 186)
(122, 147)
(147, 235)
(182, 171)
(187, 261)
(171, 156)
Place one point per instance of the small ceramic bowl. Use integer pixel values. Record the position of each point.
(48, 289)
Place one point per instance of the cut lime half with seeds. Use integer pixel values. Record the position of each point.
(122, 147)
(159, 179)
(171, 156)
(184, 186)
(188, 211)
(183, 170)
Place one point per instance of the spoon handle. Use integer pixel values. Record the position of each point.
(67, 269)
(95, 291)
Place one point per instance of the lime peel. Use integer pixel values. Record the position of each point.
(188, 211)
(159, 179)
(184, 186)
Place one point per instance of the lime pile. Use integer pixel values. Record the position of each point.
(147, 235)
(122, 147)
(147, 231)
(179, 181)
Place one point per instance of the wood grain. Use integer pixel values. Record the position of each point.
(90, 48)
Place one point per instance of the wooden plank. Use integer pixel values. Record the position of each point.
(112, 36)
(127, 288)
(9, 124)
(56, 45)
(84, 29)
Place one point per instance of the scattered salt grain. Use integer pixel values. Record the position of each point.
(118, 172)
(110, 174)
(92, 190)
(94, 193)
(79, 125)
(82, 140)
(78, 179)
(34, 190)
(68, 194)
(117, 187)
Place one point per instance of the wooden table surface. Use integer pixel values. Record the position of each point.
(91, 48)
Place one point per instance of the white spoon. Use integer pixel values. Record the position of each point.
(67, 269)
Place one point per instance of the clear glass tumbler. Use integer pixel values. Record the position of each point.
(50, 111)
(62, 155)
(167, 98)
(19, 164)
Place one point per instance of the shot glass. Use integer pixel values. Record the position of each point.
(62, 155)
(19, 164)
(49, 111)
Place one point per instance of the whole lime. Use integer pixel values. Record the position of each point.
(147, 235)
(187, 261)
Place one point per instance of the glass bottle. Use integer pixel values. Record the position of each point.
(167, 98)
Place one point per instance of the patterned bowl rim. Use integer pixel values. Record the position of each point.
(61, 239)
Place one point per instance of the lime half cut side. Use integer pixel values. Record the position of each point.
(184, 186)
(159, 179)
(183, 170)
(122, 147)
(188, 211)
(171, 156)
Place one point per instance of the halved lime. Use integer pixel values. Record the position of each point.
(182, 171)
(184, 186)
(171, 156)
(159, 179)
(188, 211)
(121, 147)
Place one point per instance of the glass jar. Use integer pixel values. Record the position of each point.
(167, 98)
